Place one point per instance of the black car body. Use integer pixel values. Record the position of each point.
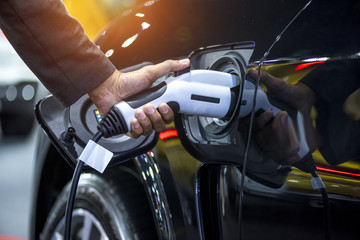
(180, 189)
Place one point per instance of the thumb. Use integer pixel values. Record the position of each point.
(156, 71)
(267, 79)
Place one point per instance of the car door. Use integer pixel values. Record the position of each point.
(320, 48)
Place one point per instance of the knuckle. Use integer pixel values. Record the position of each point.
(168, 62)
(160, 127)
(147, 133)
(135, 133)
(168, 119)
(147, 127)
(150, 74)
(158, 123)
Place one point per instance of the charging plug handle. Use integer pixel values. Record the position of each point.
(199, 92)
(114, 124)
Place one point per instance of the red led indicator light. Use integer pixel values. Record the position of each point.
(168, 134)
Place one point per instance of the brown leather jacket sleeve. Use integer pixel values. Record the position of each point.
(55, 47)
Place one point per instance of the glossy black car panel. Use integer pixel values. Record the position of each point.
(191, 195)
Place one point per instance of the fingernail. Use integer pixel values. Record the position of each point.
(163, 109)
(284, 119)
(149, 110)
(141, 115)
(136, 124)
(184, 61)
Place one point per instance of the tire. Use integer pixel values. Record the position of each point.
(114, 206)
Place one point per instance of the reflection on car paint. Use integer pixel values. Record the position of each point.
(151, 176)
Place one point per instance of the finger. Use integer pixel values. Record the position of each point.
(275, 86)
(144, 122)
(262, 120)
(285, 132)
(279, 137)
(284, 155)
(274, 136)
(287, 143)
(253, 73)
(265, 77)
(133, 82)
(156, 71)
(136, 129)
(156, 121)
(287, 124)
(166, 112)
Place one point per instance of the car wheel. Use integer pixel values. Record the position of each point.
(111, 206)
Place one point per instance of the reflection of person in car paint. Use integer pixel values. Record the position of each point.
(326, 88)
(56, 49)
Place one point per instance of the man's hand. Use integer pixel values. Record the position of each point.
(276, 135)
(122, 85)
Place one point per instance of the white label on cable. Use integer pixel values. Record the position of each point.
(317, 183)
(96, 156)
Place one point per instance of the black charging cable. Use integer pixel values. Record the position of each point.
(326, 208)
(307, 164)
(113, 124)
(74, 183)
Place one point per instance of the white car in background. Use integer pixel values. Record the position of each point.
(19, 91)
